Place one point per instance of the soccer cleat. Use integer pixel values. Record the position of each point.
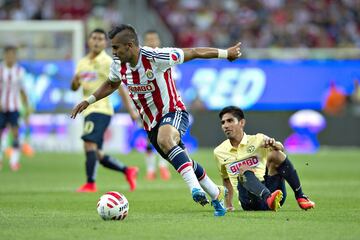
(273, 201)
(220, 210)
(218, 203)
(87, 187)
(27, 150)
(150, 176)
(131, 175)
(199, 196)
(164, 173)
(15, 167)
(305, 203)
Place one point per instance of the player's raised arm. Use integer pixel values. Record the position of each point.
(231, 53)
(104, 90)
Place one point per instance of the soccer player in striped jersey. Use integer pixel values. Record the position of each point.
(256, 166)
(152, 39)
(91, 72)
(12, 93)
(147, 74)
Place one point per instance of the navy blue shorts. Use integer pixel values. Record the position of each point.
(251, 202)
(179, 120)
(95, 125)
(11, 118)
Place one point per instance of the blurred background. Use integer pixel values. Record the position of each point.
(298, 78)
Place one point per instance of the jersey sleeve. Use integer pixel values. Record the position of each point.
(221, 168)
(163, 58)
(114, 74)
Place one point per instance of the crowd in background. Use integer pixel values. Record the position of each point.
(263, 23)
(258, 23)
(96, 12)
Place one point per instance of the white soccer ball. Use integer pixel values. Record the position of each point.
(113, 206)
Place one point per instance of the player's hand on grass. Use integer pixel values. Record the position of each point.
(234, 52)
(230, 209)
(79, 108)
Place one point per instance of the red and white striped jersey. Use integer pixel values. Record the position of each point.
(150, 83)
(11, 82)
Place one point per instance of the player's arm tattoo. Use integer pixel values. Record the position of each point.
(192, 53)
(232, 53)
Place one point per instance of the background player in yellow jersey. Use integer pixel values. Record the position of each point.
(91, 72)
(256, 166)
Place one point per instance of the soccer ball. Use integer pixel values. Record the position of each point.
(113, 206)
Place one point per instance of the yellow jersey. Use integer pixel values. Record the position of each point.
(250, 152)
(93, 73)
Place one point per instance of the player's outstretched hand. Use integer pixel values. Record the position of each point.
(234, 52)
(79, 108)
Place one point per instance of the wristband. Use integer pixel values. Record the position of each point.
(222, 53)
(91, 99)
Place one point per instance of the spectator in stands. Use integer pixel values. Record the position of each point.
(260, 23)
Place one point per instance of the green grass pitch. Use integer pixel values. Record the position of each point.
(40, 202)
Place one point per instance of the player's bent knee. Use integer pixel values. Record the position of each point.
(276, 157)
(90, 146)
(166, 143)
(167, 140)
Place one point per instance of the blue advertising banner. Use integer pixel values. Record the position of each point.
(266, 84)
(250, 84)
(48, 85)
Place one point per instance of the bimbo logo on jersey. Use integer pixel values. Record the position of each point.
(88, 76)
(141, 88)
(251, 162)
